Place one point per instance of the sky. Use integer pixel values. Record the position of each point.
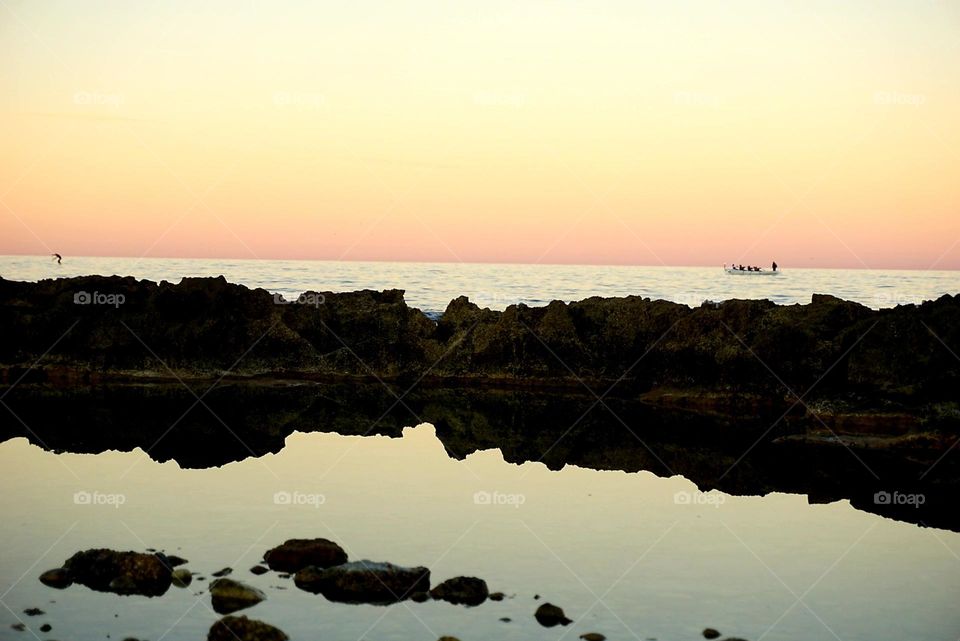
(818, 134)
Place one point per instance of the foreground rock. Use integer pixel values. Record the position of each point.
(549, 615)
(465, 590)
(106, 570)
(364, 582)
(231, 628)
(229, 596)
(296, 554)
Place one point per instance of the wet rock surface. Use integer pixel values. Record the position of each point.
(228, 596)
(106, 570)
(465, 590)
(549, 615)
(296, 554)
(231, 628)
(364, 582)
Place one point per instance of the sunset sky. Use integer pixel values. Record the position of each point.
(679, 133)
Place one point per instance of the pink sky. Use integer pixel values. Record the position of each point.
(626, 133)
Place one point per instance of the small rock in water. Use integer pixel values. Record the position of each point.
(175, 560)
(181, 577)
(497, 596)
(259, 569)
(364, 582)
(468, 590)
(46, 627)
(19, 627)
(419, 597)
(33, 612)
(295, 554)
(506, 619)
(58, 578)
(223, 572)
(448, 639)
(593, 636)
(231, 628)
(710, 633)
(549, 615)
(229, 596)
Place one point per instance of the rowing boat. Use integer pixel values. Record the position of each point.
(762, 272)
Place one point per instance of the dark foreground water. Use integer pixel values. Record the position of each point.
(630, 555)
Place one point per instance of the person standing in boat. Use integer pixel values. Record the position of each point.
(774, 266)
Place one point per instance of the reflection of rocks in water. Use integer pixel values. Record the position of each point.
(748, 449)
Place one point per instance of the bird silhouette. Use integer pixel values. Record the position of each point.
(58, 257)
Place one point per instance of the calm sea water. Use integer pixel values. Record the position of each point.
(430, 286)
(617, 551)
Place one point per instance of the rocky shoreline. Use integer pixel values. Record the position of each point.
(318, 566)
(831, 399)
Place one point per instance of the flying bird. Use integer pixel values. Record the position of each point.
(58, 257)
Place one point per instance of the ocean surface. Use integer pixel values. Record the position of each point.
(431, 286)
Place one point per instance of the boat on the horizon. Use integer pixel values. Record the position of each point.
(758, 272)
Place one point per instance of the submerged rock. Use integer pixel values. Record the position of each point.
(229, 596)
(466, 590)
(33, 612)
(364, 582)
(58, 578)
(106, 570)
(710, 633)
(549, 615)
(231, 628)
(223, 572)
(593, 636)
(258, 570)
(296, 554)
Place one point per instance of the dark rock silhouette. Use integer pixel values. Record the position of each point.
(364, 582)
(831, 399)
(106, 570)
(296, 554)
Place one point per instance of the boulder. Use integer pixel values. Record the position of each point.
(549, 615)
(231, 628)
(181, 577)
(296, 554)
(364, 582)
(106, 570)
(466, 590)
(229, 596)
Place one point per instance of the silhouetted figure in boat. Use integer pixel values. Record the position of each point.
(774, 265)
(58, 257)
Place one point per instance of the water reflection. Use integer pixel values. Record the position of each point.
(620, 552)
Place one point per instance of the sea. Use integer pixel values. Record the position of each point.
(431, 286)
(616, 550)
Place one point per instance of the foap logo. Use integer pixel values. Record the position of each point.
(299, 499)
(313, 299)
(899, 498)
(498, 498)
(98, 498)
(98, 99)
(699, 498)
(899, 99)
(98, 298)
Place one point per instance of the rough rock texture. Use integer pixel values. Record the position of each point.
(296, 554)
(202, 326)
(231, 628)
(229, 596)
(364, 582)
(120, 572)
(466, 590)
